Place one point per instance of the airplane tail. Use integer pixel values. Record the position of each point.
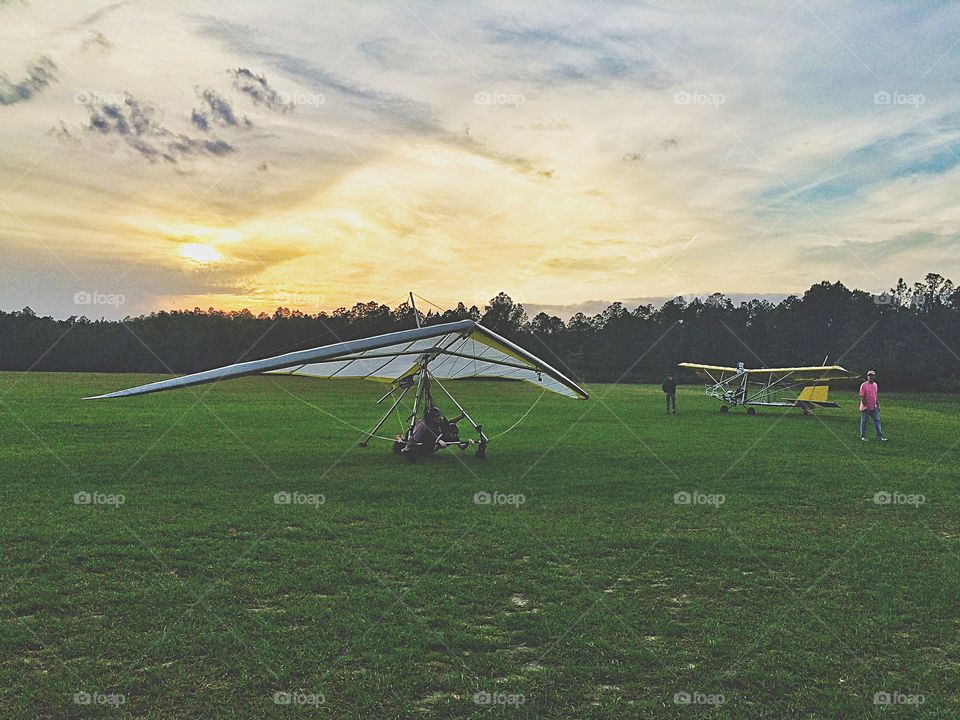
(815, 395)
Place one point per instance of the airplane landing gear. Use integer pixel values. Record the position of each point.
(751, 411)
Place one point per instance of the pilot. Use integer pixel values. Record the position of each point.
(426, 436)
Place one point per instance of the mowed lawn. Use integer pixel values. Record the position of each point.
(390, 593)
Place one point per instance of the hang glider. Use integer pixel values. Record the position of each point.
(801, 387)
(403, 360)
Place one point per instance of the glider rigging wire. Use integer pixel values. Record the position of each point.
(330, 414)
(529, 409)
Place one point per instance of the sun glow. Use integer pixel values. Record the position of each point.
(200, 253)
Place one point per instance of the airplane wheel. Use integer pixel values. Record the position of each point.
(724, 409)
(751, 411)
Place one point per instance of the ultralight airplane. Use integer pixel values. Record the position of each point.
(416, 359)
(771, 387)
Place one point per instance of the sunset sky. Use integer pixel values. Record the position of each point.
(161, 154)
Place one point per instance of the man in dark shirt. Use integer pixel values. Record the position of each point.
(669, 388)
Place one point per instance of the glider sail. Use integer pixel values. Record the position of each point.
(462, 349)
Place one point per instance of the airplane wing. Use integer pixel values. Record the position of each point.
(709, 372)
(698, 366)
(814, 374)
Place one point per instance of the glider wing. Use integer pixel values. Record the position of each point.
(463, 349)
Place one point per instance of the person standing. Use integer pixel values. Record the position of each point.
(870, 406)
(669, 388)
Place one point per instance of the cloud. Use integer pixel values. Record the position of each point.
(550, 126)
(96, 40)
(98, 15)
(62, 132)
(663, 146)
(39, 75)
(797, 156)
(387, 52)
(137, 125)
(877, 251)
(561, 54)
(220, 110)
(879, 160)
(258, 89)
(200, 120)
(399, 111)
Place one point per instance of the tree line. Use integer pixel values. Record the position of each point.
(910, 335)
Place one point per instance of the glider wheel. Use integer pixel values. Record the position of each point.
(724, 409)
(751, 411)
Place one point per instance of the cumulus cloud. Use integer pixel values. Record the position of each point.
(200, 120)
(40, 74)
(138, 125)
(258, 89)
(219, 110)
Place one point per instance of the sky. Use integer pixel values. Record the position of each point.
(173, 154)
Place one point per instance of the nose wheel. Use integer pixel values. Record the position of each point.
(751, 411)
(724, 409)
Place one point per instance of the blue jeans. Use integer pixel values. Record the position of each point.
(875, 414)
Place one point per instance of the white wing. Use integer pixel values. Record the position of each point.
(461, 349)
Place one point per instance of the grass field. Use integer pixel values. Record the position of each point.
(398, 596)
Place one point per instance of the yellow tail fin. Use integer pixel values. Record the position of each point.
(815, 393)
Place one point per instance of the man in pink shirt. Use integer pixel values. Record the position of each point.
(870, 407)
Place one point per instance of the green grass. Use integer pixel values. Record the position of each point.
(399, 597)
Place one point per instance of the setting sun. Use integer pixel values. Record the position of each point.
(200, 253)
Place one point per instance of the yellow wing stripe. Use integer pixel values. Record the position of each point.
(490, 342)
